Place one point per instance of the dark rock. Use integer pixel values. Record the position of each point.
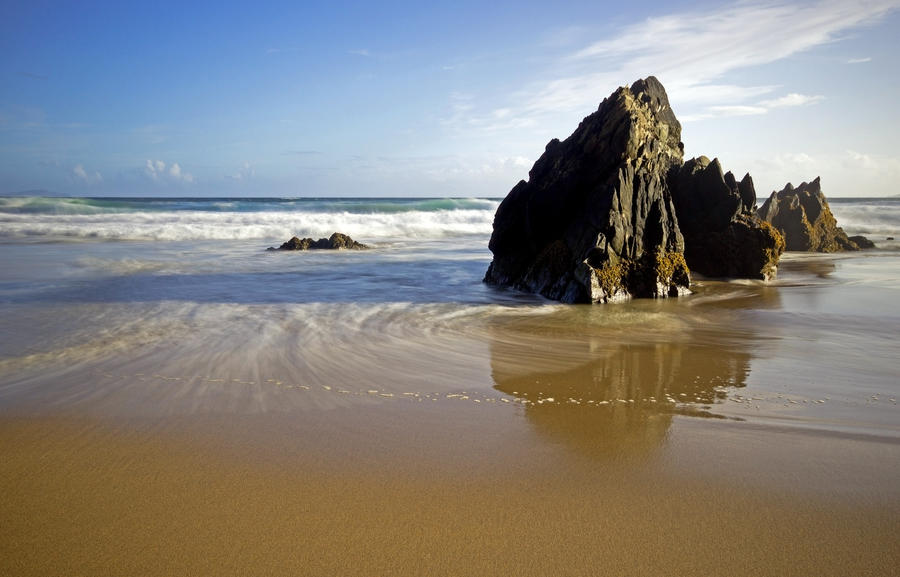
(337, 241)
(342, 241)
(803, 216)
(722, 235)
(595, 221)
(862, 242)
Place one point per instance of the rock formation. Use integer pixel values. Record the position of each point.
(595, 221)
(862, 242)
(803, 216)
(335, 242)
(716, 214)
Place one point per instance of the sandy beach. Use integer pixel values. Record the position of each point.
(172, 408)
(416, 490)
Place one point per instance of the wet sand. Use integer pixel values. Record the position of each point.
(255, 496)
(746, 430)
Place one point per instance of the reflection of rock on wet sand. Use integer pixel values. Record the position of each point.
(612, 398)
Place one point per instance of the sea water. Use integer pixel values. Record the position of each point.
(174, 306)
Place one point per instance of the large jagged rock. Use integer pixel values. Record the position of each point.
(716, 214)
(803, 216)
(595, 221)
(336, 241)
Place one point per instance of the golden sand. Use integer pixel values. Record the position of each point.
(277, 496)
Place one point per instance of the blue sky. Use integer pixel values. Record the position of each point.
(408, 98)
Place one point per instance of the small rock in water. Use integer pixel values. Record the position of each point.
(336, 241)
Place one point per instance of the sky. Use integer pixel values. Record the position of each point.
(431, 99)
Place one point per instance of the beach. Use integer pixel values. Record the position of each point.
(175, 399)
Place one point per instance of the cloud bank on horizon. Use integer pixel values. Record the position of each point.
(407, 101)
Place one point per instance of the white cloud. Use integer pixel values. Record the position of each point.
(84, 176)
(859, 60)
(364, 52)
(176, 173)
(153, 169)
(792, 99)
(761, 107)
(156, 170)
(738, 110)
(789, 162)
(798, 158)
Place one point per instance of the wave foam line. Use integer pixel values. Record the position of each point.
(881, 219)
(173, 226)
(93, 206)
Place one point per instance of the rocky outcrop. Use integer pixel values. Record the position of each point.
(803, 216)
(595, 221)
(862, 242)
(336, 241)
(723, 237)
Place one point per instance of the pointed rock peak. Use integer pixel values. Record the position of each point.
(730, 180)
(564, 233)
(651, 92)
(806, 221)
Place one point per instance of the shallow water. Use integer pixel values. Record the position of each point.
(182, 327)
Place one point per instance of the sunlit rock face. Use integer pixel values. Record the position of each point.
(595, 221)
(803, 216)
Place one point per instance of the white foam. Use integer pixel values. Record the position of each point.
(878, 219)
(191, 225)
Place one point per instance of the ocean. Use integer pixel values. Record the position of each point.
(174, 398)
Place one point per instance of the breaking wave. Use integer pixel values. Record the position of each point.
(240, 219)
(875, 217)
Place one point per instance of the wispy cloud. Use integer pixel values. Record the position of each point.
(692, 51)
(792, 99)
(364, 52)
(761, 107)
(737, 110)
(859, 60)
